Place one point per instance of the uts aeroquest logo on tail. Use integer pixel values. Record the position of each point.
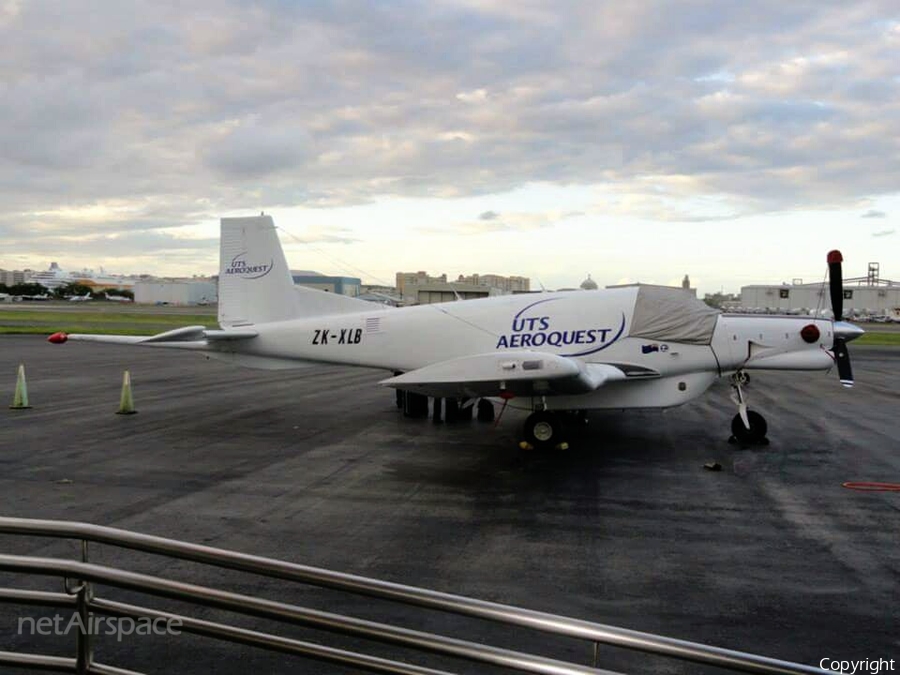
(239, 267)
(538, 330)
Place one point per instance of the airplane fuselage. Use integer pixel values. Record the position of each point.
(589, 326)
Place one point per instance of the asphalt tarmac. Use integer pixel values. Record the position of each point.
(769, 555)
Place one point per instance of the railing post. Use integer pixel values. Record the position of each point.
(84, 649)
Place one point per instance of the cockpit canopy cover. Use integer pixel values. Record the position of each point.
(672, 315)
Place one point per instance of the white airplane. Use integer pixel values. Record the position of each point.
(637, 347)
(81, 298)
(117, 298)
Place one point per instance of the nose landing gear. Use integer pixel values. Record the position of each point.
(748, 427)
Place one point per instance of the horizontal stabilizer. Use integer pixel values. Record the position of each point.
(236, 334)
(188, 336)
(519, 373)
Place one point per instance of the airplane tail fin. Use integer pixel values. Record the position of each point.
(255, 283)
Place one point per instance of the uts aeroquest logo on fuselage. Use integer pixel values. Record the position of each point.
(536, 329)
(239, 267)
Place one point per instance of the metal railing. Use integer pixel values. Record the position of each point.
(81, 576)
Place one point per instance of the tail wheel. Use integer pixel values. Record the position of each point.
(543, 429)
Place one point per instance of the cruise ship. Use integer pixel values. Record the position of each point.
(55, 276)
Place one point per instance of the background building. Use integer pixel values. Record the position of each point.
(103, 283)
(506, 284)
(862, 295)
(340, 285)
(12, 277)
(176, 292)
(407, 282)
(881, 299)
(428, 294)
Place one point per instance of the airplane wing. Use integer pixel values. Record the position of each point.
(520, 373)
(189, 337)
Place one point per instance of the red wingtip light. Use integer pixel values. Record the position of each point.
(58, 338)
(810, 333)
(835, 257)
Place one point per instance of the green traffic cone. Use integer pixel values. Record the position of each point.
(126, 401)
(20, 400)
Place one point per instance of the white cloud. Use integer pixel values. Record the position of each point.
(475, 96)
(175, 114)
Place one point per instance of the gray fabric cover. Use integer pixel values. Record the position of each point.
(672, 315)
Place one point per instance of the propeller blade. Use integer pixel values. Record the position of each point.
(836, 284)
(842, 358)
(842, 332)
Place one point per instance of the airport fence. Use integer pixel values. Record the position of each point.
(81, 578)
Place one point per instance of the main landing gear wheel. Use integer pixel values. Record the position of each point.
(756, 434)
(543, 430)
(485, 410)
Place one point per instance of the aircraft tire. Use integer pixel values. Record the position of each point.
(465, 411)
(451, 410)
(415, 405)
(757, 431)
(485, 410)
(543, 429)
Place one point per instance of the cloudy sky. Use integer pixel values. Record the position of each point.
(734, 141)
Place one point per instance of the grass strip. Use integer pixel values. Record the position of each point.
(880, 339)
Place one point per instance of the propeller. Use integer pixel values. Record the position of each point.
(839, 349)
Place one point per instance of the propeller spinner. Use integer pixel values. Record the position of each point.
(842, 331)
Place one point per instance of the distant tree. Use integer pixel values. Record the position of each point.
(121, 293)
(4, 288)
(27, 289)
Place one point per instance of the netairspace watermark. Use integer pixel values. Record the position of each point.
(870, 666)
(98, 625)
